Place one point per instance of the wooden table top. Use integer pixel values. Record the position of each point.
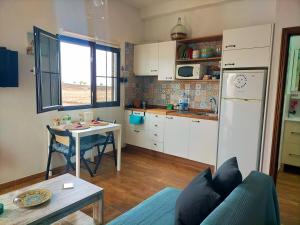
(62, 203)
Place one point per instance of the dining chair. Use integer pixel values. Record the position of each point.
(64, 143)
(104, 140)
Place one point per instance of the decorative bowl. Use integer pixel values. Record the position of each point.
(32, 198)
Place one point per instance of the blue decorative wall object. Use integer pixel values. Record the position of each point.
(9, 73)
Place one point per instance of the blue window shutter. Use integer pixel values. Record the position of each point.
(47, 70)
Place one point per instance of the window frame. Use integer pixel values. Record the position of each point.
(94, 46)
(110, 103)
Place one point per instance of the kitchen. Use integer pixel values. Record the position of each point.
(179, 91)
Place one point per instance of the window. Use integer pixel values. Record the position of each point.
(107, 75)
(73, 73)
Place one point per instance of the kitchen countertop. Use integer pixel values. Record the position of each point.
(196, 114)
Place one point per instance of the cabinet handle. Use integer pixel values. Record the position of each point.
(229, 64)
(155, 144)
(136, 131)
(153, 70)
(170, 118)
(196, 121)
(155, 125)
(156, 116)
(230, 46)
(294, 155)
(295, 132)
(155, 135)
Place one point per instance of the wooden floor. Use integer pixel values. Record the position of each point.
(145, 173)
(288, 190)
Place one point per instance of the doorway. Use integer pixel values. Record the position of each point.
(285, 157)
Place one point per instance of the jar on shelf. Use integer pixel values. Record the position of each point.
(179, 31)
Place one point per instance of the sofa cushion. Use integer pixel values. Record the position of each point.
(227, 177)
(253, 202)
(196, 201)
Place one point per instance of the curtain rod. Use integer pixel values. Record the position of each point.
(112, 44)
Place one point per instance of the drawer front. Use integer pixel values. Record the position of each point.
(156, 135)
(155, 126)
(135, 137)
(291, 159)
(155, 118)
(255, 57)
(292, 132)
(156, 146)
(291, 148)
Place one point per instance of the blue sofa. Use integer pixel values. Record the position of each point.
(253, 202)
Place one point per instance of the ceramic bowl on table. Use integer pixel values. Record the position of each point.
(32, 198)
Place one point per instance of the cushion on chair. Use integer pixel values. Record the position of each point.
(196, 201)
(227, 177)
(86, 143)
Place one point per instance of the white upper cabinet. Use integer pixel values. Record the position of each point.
(247, 37)
(203, 141)
(146, 60)
(166, 60)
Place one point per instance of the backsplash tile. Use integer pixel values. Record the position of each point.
(165, 92)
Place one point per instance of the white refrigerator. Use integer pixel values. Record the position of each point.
(241, 118)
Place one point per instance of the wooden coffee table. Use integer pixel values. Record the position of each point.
(64, 205)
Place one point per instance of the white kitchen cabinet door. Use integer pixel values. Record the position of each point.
(247, 37)
(146, 60)
(254, 57)
(176, 136)
(166, 60)
(203, 141)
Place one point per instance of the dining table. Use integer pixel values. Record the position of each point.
(91, 130)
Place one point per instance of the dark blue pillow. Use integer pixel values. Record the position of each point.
(196, 201)
(227, 177)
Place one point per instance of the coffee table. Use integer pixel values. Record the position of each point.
(63, 205)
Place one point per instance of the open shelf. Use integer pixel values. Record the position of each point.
(201, 39)
(198, 60)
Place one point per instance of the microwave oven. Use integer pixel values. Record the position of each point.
(190, 71)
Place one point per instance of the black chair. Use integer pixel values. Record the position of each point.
(68, 149)
(104, 140)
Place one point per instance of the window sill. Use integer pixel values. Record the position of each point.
(98, 105)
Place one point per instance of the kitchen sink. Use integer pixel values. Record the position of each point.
(198, 113)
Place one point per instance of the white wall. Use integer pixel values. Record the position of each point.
(23, 136)
(287, 15)
(213, 19)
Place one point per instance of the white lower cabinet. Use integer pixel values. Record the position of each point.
(194, 139)
(176, 136)
(203, 141)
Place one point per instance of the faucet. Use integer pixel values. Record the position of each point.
(213, 103)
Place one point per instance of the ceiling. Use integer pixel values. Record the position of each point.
(143, 3)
